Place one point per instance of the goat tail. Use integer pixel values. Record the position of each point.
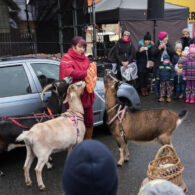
(182, 115)
(24, 136)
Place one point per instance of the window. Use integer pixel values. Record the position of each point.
(46, 72)
(13, 81)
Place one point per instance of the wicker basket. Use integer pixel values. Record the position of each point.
(157, 168)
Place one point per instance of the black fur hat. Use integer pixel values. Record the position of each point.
(147, 36)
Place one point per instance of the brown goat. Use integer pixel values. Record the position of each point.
(138, 126)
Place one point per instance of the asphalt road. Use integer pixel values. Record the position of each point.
(130, 175)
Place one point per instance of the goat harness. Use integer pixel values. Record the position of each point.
(38, 116)
(120, 116)
(73, 118)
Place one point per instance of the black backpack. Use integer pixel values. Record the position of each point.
(112, 53)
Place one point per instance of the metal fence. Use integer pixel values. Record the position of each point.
(17, 43)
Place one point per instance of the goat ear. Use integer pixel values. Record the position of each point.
(56, 84)
(120, 83)
(69, 97)
(66, 100)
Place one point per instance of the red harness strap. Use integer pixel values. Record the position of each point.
(20, 125)
(17, 123)
(50, 112)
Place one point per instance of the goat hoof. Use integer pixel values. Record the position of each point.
(29, 183)
(119, 165)
(42, 187)
(49, 166)
(126, 160)
(1, 173)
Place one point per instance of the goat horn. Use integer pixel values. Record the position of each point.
(47, 87)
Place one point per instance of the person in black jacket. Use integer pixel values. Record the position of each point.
(142, 56)
(185, 39)
(124, 52)
(161, 48)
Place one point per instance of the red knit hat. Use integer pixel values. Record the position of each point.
(161, 35)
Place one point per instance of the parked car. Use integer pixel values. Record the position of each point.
(23, 78)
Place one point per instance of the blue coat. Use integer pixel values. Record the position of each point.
(165, 72)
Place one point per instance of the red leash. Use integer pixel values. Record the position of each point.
(24, 127)
(17, 123)
(50, 112)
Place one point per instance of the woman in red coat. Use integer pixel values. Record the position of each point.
(75, 64)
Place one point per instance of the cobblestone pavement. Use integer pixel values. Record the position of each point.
(130, 175)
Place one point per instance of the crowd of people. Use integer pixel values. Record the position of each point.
(173, 68)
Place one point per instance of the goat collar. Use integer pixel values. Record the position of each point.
(112, 108)
(79, 114)
(120, 114)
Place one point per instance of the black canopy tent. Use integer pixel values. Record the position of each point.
(44, 26)
(132, 16)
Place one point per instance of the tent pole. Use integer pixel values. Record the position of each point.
(154, 31)
(75, 22)
(94, 31)
(119, 30)
(60, 30)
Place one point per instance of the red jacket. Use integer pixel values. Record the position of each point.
(76, 65)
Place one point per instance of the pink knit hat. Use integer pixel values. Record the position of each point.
(192, 48)
(185, 30)
(161, 35)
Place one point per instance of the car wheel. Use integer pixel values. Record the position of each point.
(125, 102)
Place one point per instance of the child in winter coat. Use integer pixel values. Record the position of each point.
(176, 56)
(180, 82)
(189, 73)
(165, 75)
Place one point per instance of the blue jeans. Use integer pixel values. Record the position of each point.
(180, 88)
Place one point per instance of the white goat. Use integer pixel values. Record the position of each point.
(54, 135)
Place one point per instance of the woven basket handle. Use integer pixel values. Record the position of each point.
(169, 147)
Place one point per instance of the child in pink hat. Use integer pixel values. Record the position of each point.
(189, 74)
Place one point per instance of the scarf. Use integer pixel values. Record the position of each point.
(76, 55)
(125, 41)
(178, 53)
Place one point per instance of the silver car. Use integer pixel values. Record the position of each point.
(21, 83)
